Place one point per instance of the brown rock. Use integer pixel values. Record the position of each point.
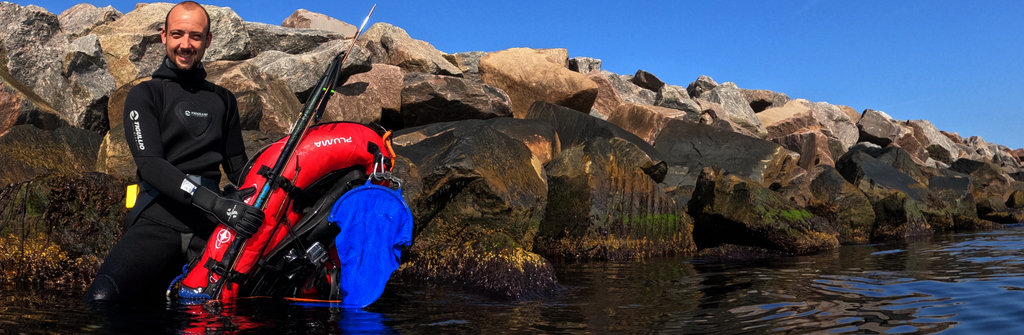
(647, 80)
(114, 157)
(528, 76)
(365, 96)
(812, 147)
(115, 105)
(29, 152)
(430, 98)
(761, 100)
(608, 98)
(850, 112)
(80, 19)
(955, 137)
(644, 121)
(264, 101)
(794, 117)
(305, 19)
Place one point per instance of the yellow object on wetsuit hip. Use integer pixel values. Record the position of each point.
(131, 195)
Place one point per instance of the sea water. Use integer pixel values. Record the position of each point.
(952, 283)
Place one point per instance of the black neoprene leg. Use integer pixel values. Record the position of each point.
(141, 264)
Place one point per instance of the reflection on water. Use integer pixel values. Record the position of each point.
(962, 283)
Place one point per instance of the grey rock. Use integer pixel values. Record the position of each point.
(91, 84)
(585, 65)
(628, 91)
(939, 147)
(405, 52)
(469, 63)
(675, 97)
(303, 71)
(701, 85)
(879, 128)
(267, 37)
(32, 49)
(230, 38)
(80, 19)
(760, 100)
(841, 128)
(735, 108)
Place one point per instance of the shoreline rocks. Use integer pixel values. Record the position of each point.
(513, 159)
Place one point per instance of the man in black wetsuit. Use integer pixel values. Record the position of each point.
(180, 129)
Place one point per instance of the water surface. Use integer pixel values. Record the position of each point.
(952, 283)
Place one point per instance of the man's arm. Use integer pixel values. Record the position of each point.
(234, 146)
(142, 130)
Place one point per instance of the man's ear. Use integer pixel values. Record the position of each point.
(163, 36)
(209, 39)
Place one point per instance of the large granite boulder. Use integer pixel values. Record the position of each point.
(813, 147)
(528, 75)
(75, 219)
(585, 65)
(841, 122)
(367, 97)
(19, 105)
(647, 81)
(265, 102)
(701, 85)
(302, 72)
(602, 205)
(80, 19)
(428, 98)
(115, 103)
(898, 199)
(481, 199)
(29, 152)
(469, 64)
(839, 201)
(305, 19)
(266, 37)
(879, 128)
(696, 146)
(954, 194)
(91, 84)
(729, 209)
(628, 91)
(939, 146)
(675, 97)
(796, 116)
(990, 188)
(392, 45)
(32, 49)
(735, 108)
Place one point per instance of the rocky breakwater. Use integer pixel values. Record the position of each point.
(512, 159)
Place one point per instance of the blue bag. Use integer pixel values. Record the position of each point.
(375, 224)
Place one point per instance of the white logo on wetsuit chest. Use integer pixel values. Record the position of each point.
(134, 115)
(195, 114)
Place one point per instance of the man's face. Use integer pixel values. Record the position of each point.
(186, 37)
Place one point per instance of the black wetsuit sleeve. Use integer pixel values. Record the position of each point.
(142, 130)
(234, 146)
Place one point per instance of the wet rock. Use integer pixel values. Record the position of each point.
(735, 108)
(29, 152)
(483, 196)
(368, 97)
(896, 198)
(305, 19)
(265, 102)
(585, 65)
(647, 80)
(628, 91)
(80, 19)
(1016, 200)
(302, 72)
(76, 217)
(267, 37)
(528, 75)
(954, 192)
(576, 128)
(696, 146)
(839, 201)
(602, 205)
(729, 209)
(759, 100)
(401, 50)
(608, 98)
(114, 157)
(432, 98)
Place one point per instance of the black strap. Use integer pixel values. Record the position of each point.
(281, 182)
(218, 268)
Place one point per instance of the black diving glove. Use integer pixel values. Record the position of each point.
(244, 219)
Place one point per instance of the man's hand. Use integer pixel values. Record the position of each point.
(244, 219)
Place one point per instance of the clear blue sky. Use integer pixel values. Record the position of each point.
(954, 63)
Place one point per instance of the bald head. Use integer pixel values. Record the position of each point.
(186, 34)
(189, 6)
